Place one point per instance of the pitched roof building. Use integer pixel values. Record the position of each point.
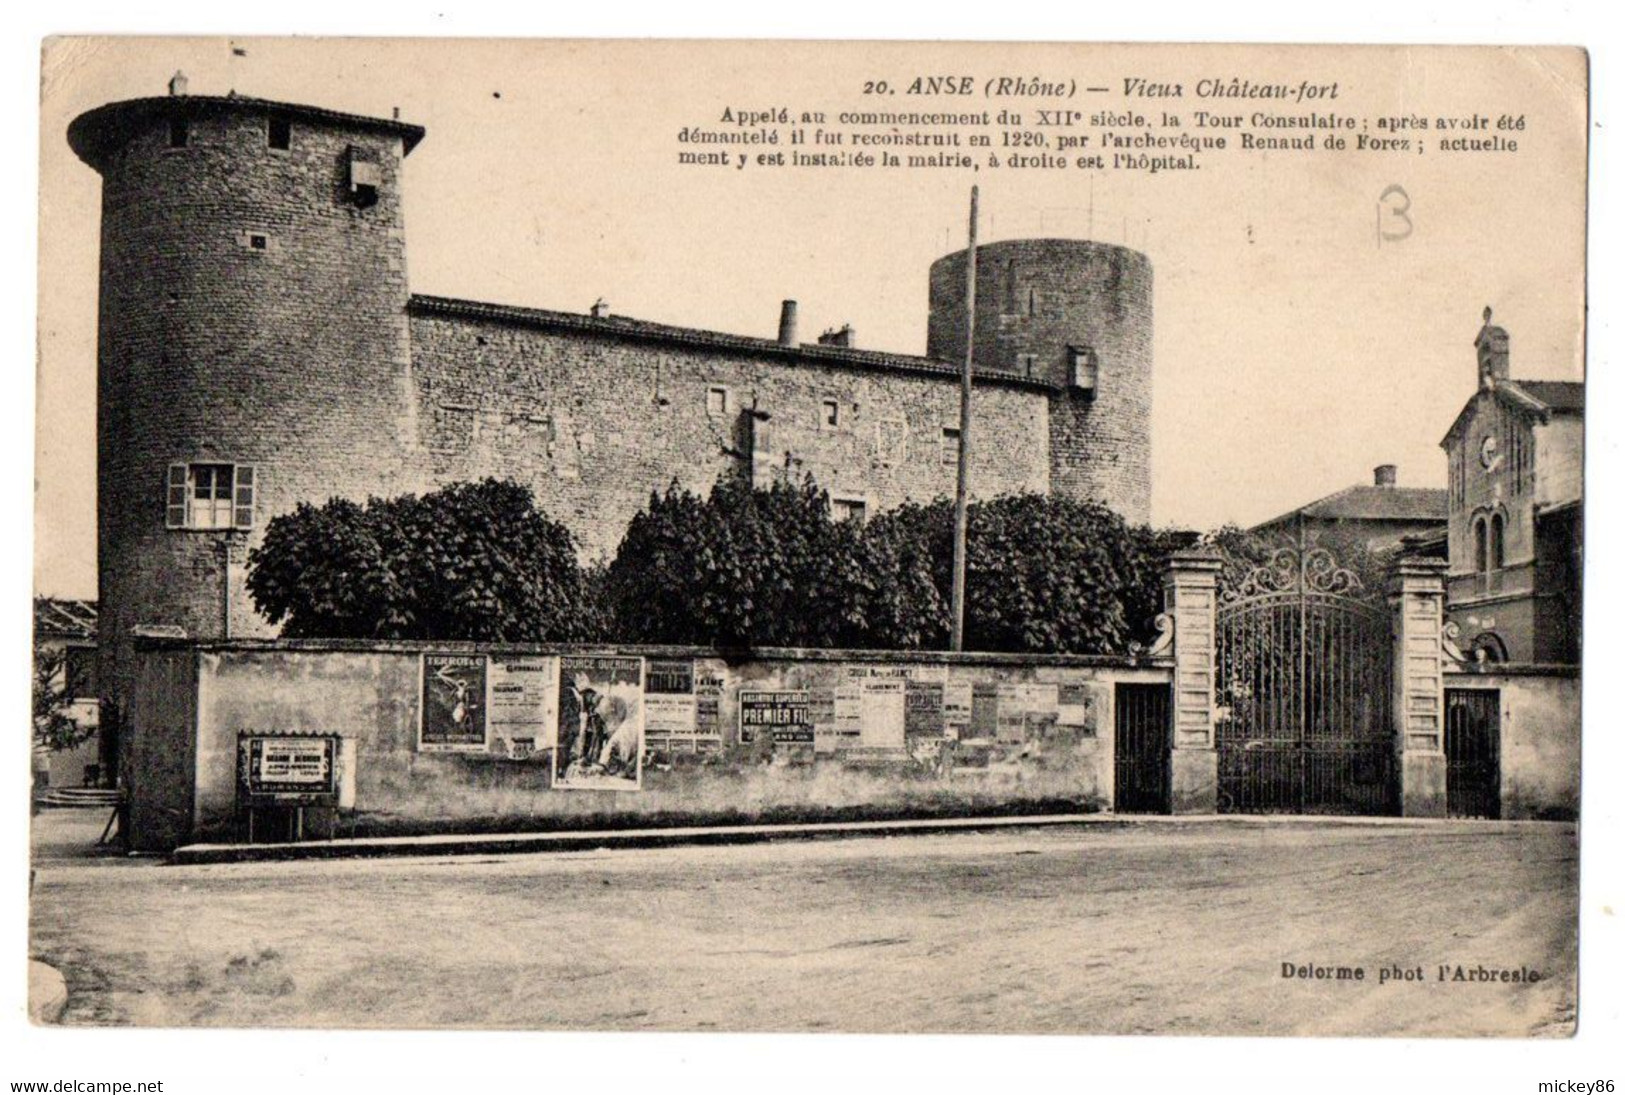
(1376, 516)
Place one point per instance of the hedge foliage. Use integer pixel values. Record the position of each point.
(470, 561)
(739, 568)
(770, 567)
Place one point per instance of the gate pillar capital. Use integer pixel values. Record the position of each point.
(1190, 595)
(1416, 593)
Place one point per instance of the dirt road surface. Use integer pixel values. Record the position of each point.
(1156, 928)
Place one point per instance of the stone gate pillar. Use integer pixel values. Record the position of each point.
(1189, 595)
(1416, 597)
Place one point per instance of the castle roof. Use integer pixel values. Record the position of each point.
(641, 330)
(96, 132)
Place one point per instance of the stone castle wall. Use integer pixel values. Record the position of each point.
(1038, 300)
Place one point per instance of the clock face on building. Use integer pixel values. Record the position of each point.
(1489, 452)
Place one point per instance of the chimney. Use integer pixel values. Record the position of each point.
(844, 337)
(600, 308)
(1386, 475)
(177, 83)
(1494, 353)
(787, 324)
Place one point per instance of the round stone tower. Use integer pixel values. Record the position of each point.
(253, 346)
(1077, 314)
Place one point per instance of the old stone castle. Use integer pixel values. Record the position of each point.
(259, 346)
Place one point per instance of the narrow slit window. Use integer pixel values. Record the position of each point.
(179, 133)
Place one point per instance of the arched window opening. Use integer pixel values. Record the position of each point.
(1498, 528)
(1481, 547)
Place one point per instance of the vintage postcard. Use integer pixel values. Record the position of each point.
(810, 537)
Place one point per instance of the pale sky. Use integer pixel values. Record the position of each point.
(1292, 353)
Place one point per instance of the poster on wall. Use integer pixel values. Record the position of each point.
(884, 713)
(784, 716)
(522, 698)
(600, 726)
(288, 769)
(670, 707)
(451, 712)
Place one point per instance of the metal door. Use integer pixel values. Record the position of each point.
(1142, 763)
(1472, 749)
(1304, 690)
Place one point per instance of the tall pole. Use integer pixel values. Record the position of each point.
(956, 635)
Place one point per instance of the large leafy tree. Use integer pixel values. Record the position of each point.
(470, 561)
(759, 567)
(1044, 574)
(742, 567)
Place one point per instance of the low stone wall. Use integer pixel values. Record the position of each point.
(460, 737)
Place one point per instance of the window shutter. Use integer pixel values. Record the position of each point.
(243, 516)
(175, 497)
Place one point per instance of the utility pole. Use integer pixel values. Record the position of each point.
(956, 634)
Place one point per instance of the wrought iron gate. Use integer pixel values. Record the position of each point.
(1472, 749)
(1304, 690)
(1143, 735)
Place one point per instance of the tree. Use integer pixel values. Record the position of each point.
(742, 567)
(54, 728)
(1044, 574)
(759, 567)
(474, 561)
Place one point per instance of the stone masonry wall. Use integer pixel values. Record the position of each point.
(593, 422)
(1035, 300)
(287, 351)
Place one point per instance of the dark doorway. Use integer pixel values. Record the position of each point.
(1143, 734)
(1472, 749)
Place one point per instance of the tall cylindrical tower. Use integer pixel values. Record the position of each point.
(252, 348)
(1078, 314)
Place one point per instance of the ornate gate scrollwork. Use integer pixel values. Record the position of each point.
(1304, 690)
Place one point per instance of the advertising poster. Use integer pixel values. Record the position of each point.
(288, 768)
(821, 713)
(708, 688)
(600, 728)
(958, 704)
(1077, 708)
(848, 715)
(669, 704)
(883, 713)
(784, 716)
(451, 714)
(923, 709)
(523, 695)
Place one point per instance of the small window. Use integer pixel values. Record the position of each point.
(1032, 302)
(950, 446)
(848, 509)
(278, 132)
(1085, 368)
(79, 672)
(1027, 363)
(716, 402)
(831, 413)
(178, 132)
(210, 496)
(257, 241)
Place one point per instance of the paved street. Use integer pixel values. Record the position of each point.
(1161, 927)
